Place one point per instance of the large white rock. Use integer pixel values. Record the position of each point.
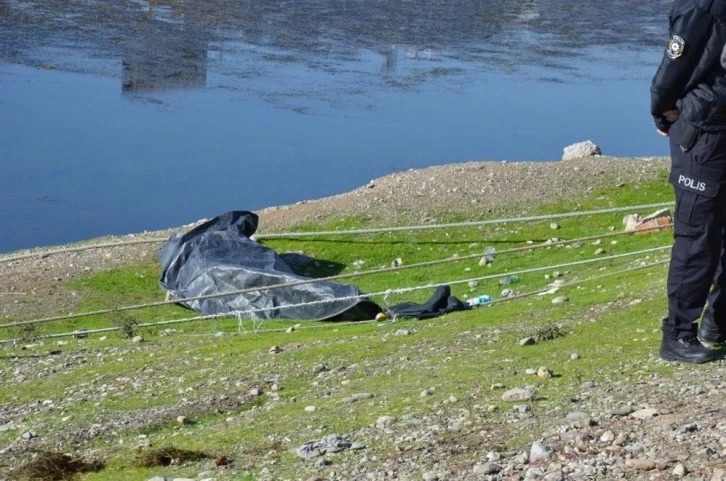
(581, 149)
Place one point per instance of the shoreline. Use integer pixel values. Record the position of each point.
(418, 196)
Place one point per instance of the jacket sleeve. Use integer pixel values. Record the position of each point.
(689, 30)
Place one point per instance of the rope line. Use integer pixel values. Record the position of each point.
(307, 281)
(47, 253)
(338, 324)
(313, 280)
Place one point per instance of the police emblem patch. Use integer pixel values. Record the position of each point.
(675, 47)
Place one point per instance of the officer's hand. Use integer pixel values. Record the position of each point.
(671, 115)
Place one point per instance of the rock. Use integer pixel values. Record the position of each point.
(290, 329)
(318, 368)
(255, 391)
(137, 339)
(356, 397)
(640, 464)
(182, 420)
(519, 394)
(599, 251)
(28, 435)
(157, 478)
(574, 356)
(581, 149)
(644, 413)
(385, 421)
(527, 341)
(679, 470)
(579, 418)
(607, 437)
(560, 300)
(274, 349)
(310, 409)
(486, 468)
(554, 226)
(539, 452)
(544, 372)
(183, 479)
(403, 332)
(430, 477)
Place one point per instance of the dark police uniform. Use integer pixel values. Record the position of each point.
(691, 79)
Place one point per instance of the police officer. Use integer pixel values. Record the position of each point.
(688, 103)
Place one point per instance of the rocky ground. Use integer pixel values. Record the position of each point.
(642, 427)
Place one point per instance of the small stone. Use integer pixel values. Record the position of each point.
(530, 371)
(679, 470)
(323, 462)
(403, 332)
(255, 391)
(385, 421)
(621, 411)
(607, 437)
(554, 226)
(486, 468)
(182, 420)
(518, 395)
(28, 435)
(599, 251)
(527, 341)
(579, 418)
(544, 372)
(356, 397)
(290, 329)
(137, 339)
(497, 385)
(157, 478)
(430, 477)
(539, 452)
(310, 409)
(644, 413)
(588, 148)
(427, 392)
(641, 464)
(318, 368)
(560, 300)
(274, 349)
(574, 356)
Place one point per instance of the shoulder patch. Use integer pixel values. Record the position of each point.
(675, 48)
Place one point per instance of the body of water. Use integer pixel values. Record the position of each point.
(119, 117)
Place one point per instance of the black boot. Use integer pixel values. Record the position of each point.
(709, 332)
(686, 349)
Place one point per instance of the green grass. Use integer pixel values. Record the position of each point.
(611, 322)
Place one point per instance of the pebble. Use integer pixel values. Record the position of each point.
(527, 341)
(137, 339)
(385, 421)
(560, 300)
(430, 477)
(518, 394)
(274, 349)
(318, 368)
(574, 356)
(310, 409)
(540, 452)
(356, 397)
(157, 478)
(679, 470)
(403, 332)
(599, 251)
(641, 464)
(544, 372)
(644, 413)
(607, 437)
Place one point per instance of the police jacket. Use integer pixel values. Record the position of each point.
(690, 77)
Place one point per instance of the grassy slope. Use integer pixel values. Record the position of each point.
(611, 322)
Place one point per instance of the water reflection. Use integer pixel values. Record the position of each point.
(248, 103)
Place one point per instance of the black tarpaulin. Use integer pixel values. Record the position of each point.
(218, 256)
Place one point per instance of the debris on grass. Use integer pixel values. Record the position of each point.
(50, 466)
(170, 455)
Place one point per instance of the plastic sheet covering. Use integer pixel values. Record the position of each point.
(218, 256)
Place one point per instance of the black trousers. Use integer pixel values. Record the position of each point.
(697, 273)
